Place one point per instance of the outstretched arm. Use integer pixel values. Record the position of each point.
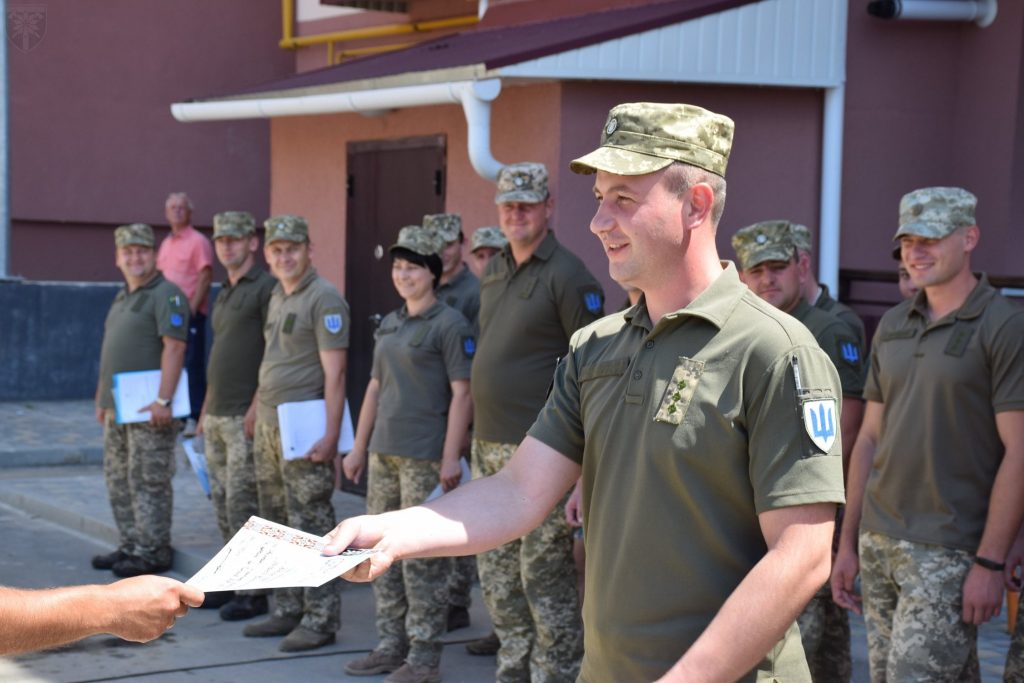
(475, 517)
(138, 609)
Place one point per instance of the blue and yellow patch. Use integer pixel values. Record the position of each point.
(469, 346)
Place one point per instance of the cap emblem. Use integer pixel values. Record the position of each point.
(611, 126)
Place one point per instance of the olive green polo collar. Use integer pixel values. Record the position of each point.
(152, 282)
(800, 310)
(971, 308)
(544, 250)
(459, 277)
(715, 304)
(250, 275)
(431, 312)
(303, 283)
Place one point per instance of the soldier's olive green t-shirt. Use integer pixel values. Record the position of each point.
(941, 384)
(838, 342)
(132, 332)
(686, 431)
(239, 314)
(830, 305)
(463, 294)
(299, 325)
(415, 359)
(527, 315)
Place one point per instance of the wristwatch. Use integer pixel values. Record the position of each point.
(163, 401)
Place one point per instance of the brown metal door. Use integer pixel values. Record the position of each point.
(391, 183)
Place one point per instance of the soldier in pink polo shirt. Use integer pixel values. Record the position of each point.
(186, 259)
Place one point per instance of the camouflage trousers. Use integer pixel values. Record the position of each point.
(232, 473)
(412, 596)
(529, 586)
(1014, 672)
(297, 493)
(460, 581)
(138, 465)
(825, 634)
(913, 595)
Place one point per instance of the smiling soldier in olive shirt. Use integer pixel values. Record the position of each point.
(704, 423)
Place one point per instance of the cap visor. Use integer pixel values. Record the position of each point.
(524, 196)
(618, 161)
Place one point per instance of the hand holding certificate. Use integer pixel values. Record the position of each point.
(267, 555)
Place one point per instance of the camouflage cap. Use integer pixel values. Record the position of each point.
(489, 236)
(419, 240)
(135, 233)
(233, 224)
(801, 237)
(523, 182)
(764, 241)
(447, 225)
(935, 212)
(286, 227)
(644, 137)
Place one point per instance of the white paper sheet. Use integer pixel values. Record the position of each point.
(135, 390)
(197, 459)
(303, 423)
(267, 555)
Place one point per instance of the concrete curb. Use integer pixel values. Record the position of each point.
(49, 457)
(185, 562)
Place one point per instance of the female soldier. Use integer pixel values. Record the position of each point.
(417, 409)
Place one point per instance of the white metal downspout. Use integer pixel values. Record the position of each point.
(831, 187)
(474, 96)
(476, 105)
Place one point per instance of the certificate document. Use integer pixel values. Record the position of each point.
(267, 555)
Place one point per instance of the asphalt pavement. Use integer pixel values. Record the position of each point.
(54, 515)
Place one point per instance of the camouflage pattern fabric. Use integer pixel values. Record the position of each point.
(1014, 672)
(825, 635)
(297, 493)
(460, 581)
(529, 586)
(487, 236)
(138, 465)
(523, 182)
(233, 224)
(412, 596)
(447, 225)
(136, 233)
(644, 137)
(229, 462)
(764, 241)
(912, 601)
(935, 212)
(419, 240)
(287, 227)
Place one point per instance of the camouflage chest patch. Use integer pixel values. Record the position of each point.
(680, 391)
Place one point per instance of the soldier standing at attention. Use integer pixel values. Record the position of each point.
(305, 357)
(229, 412)
(485, 243)
(816, 293)
(934, 486)
(413, 422)
(768, 253)
(146, 329)
(534, 294)
(709, 490)
(186, 259)
(460, 289)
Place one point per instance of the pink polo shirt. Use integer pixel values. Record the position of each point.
(182, 257)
